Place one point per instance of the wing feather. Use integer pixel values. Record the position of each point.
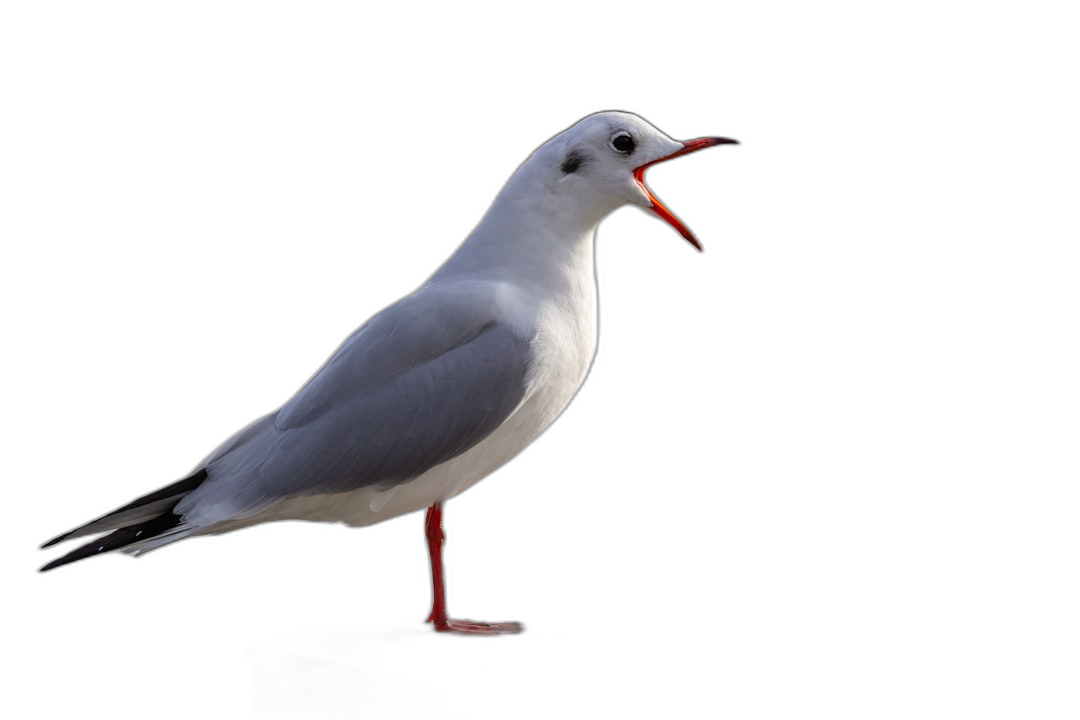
(419, 384)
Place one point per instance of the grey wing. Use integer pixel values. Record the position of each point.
(421, 383)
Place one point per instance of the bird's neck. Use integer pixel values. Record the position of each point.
(534, 236)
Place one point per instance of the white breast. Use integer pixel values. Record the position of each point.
(562, 349)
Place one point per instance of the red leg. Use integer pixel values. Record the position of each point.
(435, 538)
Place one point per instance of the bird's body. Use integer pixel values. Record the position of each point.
(441, 388)
(560, 331)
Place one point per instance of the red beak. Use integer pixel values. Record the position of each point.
(657, 207)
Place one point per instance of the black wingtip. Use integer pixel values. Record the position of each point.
(83, 551)
(118, 539)
(50, 566)
(176, 490)
(55, 540)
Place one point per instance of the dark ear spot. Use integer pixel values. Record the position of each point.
(573, 162)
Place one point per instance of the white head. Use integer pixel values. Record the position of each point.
(601, 161)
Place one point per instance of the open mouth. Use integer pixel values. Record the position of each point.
(658, 207)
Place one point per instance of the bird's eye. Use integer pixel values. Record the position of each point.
(622, 142)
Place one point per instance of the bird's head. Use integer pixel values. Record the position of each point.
(604, 157)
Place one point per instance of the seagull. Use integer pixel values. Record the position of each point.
(439, 389)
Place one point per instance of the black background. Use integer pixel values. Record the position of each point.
(210, 218)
